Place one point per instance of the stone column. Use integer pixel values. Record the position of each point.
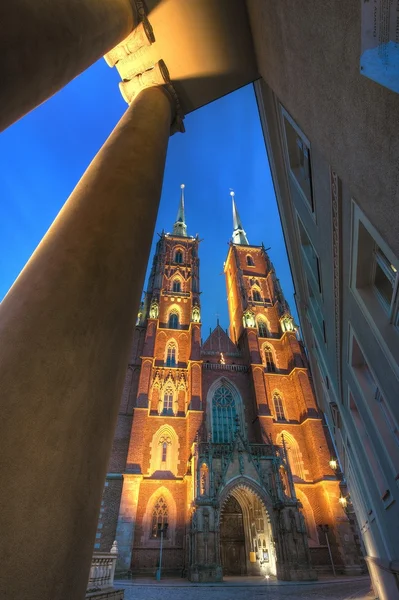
(44, 44)
(65, 330)
(127, 521)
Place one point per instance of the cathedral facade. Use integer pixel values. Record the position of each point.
(220, 448)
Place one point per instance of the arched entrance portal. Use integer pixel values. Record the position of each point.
(246, 546)
(232, 539)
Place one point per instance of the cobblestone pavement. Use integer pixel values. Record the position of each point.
(348, 589)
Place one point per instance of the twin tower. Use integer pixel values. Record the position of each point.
(220, 445)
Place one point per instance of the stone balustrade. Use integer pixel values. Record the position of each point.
(102, 570)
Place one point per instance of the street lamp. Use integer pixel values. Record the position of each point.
(343, 501)
(161, 531)
(333, 464)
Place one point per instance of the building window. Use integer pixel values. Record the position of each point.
(375, 284)
(224, 416)
(168, 401)
(310, 254)
(179, 257)
(269, 359)
(164, 451)
(298, 150)
(262, 329)
(256, 296)
(171, 360)
(382, 417)
(250, 261)
(159, 517)
(176, 286)
(278, 407)
(173, 322)
(377, 272)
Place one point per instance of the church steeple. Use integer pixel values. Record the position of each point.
(239, 235)
(180, 227)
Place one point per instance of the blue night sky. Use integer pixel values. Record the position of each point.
(43, 156)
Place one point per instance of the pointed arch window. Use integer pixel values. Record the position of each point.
(164, 452)
(224, 416)
(173, 322)
(179, 257)
(168, 401)
(250, 261)
(256, 297)
(176, 286)
(159, 517)
(262, 328)
(278, 407)
(171, 352)
(269, 359)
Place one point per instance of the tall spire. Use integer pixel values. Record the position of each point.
(239, 235)
(180, 227)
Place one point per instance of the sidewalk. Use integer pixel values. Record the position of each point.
(240, 582)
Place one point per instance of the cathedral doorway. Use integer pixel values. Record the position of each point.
(246, 546)
(232, 539)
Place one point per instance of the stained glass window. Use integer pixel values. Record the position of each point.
(269, 359)
(173, 321)
(278, 407)
(256, 296)
(224, 414)
(168, 400)
(262, 329)
(159, 516)
(176, 286)
(171, 355)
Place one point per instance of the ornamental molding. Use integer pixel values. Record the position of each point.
(336, 206)
(140, 67)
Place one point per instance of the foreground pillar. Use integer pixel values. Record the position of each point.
(65, 330)
(46, 43)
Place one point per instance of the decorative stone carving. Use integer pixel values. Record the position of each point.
(154, 310)
(287, 323)
(249, 319)
(195, 314)
(141, 67)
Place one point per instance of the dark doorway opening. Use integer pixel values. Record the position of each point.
(232, 539)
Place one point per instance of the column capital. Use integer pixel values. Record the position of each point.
(140, 66)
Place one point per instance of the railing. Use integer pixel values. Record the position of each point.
(219, 450)
(172, 293)
(224, 367)
(262, 450)
(102, 570)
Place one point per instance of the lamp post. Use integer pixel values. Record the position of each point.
(160, 533)
(325, 530)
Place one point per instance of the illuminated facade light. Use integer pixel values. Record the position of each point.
(333, 464)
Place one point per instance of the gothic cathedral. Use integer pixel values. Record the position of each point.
(220, 448)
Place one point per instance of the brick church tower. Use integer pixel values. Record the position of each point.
(221, 442)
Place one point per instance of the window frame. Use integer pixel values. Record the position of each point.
(383, 321)
(256, 295)
(171, 315)
(279, 407)
(166, 409)
(171, 361)
(315, 273)
(267, 352)
(176, 284)
(305, 143)
(178, 252)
